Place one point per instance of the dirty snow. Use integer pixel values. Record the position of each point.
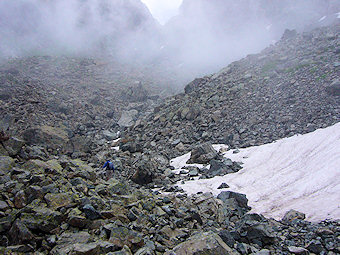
(301, 172)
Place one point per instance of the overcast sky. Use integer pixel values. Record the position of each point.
(163, 10)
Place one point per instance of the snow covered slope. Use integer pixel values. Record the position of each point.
(301, 172)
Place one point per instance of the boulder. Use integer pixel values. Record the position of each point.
(202, 154)
(56, 201)
(13, 146)
(207, 243)
(46, 136)
(334, 88)
(128, 118)
(6, 164)
(42, 219)
(67, 241)
(143, 173)
(254, 229)
(121, 236)
(19, 233)
(293, 215)
(241, 199)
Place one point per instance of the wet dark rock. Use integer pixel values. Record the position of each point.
(241, 199)
(223, 186)
(19, 233)
(42, 219)
(91, 213)
(143, 173)
(315, 246)
(227, 238)
(253, 229)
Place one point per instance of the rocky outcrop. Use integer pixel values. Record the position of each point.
(283, 91)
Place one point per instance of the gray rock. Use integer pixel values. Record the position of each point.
(293, 215)
(6, 164)
(202, 154)
(128, 118)
(13, 146)
(193, 173)
(240, 198)
(207, 243)
(334, 88)
(298, 250)
(121, 236)
(253, 229)
(263, 252)
(3, 206)
(227, 238)
(42, 219)
(109, 136)
(86, 248)
(91, 213)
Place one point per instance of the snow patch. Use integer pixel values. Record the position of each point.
(324, 17)
(301, 172)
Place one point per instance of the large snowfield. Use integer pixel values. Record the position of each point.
(300, 172)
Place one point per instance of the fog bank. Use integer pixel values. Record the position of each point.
(206, 35)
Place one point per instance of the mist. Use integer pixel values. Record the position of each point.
(206, 35)
(119, 28)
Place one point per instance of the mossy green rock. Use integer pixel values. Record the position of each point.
(207, 243)
(81, 169)
(121, 236)
(6, 164)
(37, 166)
(43, 219)
(59, 200)
(118, 188)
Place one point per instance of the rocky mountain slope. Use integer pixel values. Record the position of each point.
(66, 103)
(67, 207)
(290, 88)
(60, 117)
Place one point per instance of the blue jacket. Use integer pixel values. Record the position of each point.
(109, 165)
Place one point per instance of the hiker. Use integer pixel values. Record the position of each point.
(109, 167)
